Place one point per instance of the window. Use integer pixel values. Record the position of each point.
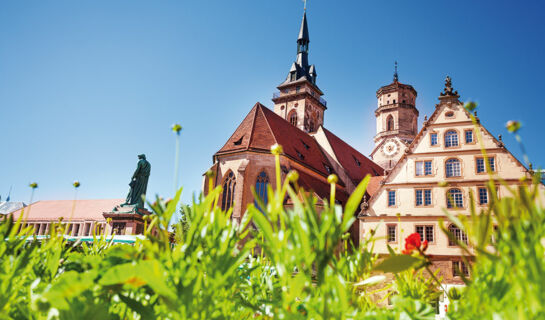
(483, 196)
(451, 138)
(458, 234)
(469, 136)
(238, 142)
(297, 89)
(228, 191)
(391, 198)
(293, 76)
(459, 268)
(480, 164)
(449, 114)
(391, 232)
(394, 100)
(423, 197)
(423, 168)
(390, 123)
(261, 184)
(433, 139)
(455, 198)
(293, 117)
(300, 155)
(425, 232)
(453, 168)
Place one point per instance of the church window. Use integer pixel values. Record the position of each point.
(455, 198)
(483, 196)
(433, 139)
(261, 184)
(390, 123)
(423, 168)
(391, 198)
(228, 191)
(238, 142)
(469, 136)
(481, 167)
(293, 117)
(453, 168)
(451, 138)
(458, 234)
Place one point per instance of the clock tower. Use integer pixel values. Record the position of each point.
(397, 122)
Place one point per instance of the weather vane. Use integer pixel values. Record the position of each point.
(305, 6)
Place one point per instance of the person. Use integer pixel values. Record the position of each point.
(139, 183)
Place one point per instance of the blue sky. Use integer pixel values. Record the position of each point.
(85, 86)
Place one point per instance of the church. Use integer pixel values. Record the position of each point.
(407, 165)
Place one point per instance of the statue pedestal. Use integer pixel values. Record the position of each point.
(126, 220)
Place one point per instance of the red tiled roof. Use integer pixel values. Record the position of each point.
(373, 185)
(319, 187)
(52, 210)
(349, 158)
(262, 128)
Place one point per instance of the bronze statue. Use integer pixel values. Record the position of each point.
(139, 183)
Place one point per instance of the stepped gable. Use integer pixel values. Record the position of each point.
(262, 128)
(48, 210)
(356, 164)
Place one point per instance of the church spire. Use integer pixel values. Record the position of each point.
(396, 77)
(302, 43)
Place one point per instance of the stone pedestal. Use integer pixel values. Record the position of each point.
(126, 220)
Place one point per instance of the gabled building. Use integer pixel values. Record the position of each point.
(245, 162)
(410, 199)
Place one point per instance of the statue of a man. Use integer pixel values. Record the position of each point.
(139, 183)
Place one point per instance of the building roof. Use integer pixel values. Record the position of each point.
(53, 210)
(394, 86)
(10, 206)
(320, 188)
(303, 31)
(356, 164)
(262, 128)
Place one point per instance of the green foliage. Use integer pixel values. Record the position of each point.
(281, 262)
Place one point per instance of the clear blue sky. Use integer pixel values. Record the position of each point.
(85, 86)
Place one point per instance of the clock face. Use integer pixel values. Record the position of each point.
(390, 148)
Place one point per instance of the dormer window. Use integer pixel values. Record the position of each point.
(293, 76)
(305, 145)
(358, 163)
(238, 142)
(300, 155)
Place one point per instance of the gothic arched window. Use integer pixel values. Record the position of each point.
(455, 198)
(390, 123)
(458, 234)
(311, 125)
(453, 168)
(293, 117)
(451, 138)
(261, 184)
(228, 191)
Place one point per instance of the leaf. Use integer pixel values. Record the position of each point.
(397, 263)
(370, 281)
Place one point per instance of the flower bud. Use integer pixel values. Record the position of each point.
(292, 176)
(33, 185)
(470, 106)
(276, 149)
(332, 179)
(210, 173)
(513, 126)
(176, 128)
(76, 184)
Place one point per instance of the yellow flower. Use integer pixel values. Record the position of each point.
(76, 184)
(33, 185)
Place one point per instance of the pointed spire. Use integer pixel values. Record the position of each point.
(303, 32)
(396, 77)
(449, 91)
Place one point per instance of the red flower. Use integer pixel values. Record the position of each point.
(412, 242)
(424, 245)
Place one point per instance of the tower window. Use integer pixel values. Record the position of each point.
(297, 89)
(390, 123)
(293, 76)
(238, 142)
(394, 100)
(293, 118)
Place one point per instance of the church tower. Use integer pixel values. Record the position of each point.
(299, 99)
(397, 122)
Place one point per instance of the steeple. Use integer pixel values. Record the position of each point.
(299, 100)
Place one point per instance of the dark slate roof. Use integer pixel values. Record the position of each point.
(303, 32)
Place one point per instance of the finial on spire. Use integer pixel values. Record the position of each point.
(449, 91)
(305, 5)
(396, 77)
